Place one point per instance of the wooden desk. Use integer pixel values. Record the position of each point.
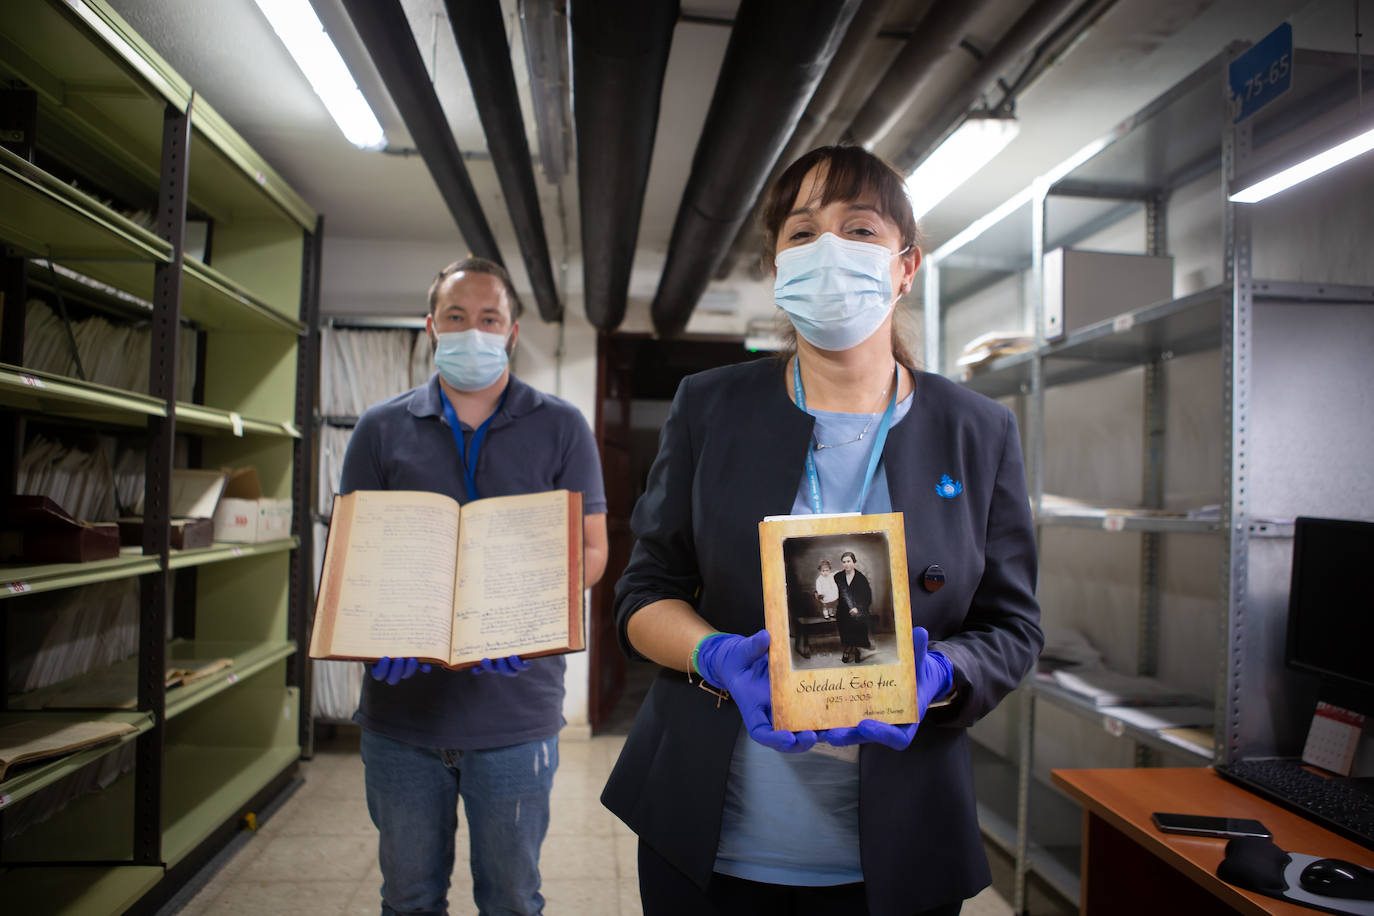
(1129, 867)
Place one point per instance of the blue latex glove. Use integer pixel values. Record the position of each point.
(395, 670)
(934, 678)
(740, 665)
(509, 666)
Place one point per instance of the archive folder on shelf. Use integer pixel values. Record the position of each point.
(39, 739)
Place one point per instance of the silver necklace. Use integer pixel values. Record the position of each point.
(881, 398)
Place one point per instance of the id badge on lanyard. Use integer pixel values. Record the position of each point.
(467, 457)
(812, 478)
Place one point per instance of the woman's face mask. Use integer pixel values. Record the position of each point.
(835, 291)
(471, 360)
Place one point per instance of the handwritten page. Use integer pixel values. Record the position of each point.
(512, 592)
(395, 586)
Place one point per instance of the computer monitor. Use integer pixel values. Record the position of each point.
(1331, 603)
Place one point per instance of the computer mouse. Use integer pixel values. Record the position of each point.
(1338, 878)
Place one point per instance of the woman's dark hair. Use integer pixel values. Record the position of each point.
(850, 554)
(850, 172)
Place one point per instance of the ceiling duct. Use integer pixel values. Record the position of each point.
(854, 51)
(382, 26)
(620, 52)
(778, 52)
(481, 36)
(937, 36)
(1034, 27)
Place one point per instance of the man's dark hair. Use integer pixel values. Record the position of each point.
(477, 266)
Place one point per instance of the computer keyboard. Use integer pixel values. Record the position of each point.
(1332, 802)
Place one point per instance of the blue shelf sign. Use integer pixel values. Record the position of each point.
(1262, 73)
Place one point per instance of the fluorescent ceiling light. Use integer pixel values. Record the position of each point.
(963, 154)
(1306, 169)
(299, 28)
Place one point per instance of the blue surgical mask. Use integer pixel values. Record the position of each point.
(471, 360)
(835, 291)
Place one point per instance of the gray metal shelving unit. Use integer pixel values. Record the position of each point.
(1291, 397)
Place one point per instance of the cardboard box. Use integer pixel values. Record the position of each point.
(245, 516)
(1085, 287)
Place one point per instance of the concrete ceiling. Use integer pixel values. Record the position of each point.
(225, 49)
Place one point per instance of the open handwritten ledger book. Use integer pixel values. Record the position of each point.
(413, 574)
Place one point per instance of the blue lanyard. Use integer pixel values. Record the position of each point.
(468, 457)
(879, 438)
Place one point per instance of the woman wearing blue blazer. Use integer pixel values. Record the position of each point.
(733, 816)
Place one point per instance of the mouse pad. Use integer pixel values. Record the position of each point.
(1295, 893)
(1258, 865)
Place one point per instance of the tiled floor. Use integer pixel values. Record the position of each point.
(317, 854)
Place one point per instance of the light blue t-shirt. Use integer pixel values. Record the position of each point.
(794, 818)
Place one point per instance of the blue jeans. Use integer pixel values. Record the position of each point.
(412, 795)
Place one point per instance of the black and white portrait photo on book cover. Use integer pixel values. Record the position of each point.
(839, 600)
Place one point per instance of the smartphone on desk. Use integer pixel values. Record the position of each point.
(1202, 825)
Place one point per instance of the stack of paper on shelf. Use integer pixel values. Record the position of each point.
(187, 669)
(111, 354)
(337, 686)
(985, 348)
(1055, 504)
(1103, 687)
(359, 368)
(75, 479)
(116, 686)
(55, 636)
(333, 444)
(1067, 647)
(421, 360)
(40, 739)
(59, 635)
(1159, 718)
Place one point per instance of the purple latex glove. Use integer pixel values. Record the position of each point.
(509, 666)
(395, 670)
(934, 678)
(740, 665)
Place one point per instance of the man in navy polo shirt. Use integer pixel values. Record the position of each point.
(489, 734)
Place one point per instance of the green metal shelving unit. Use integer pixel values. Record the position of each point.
(116, 128)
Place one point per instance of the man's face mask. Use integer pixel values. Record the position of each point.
(471, 360)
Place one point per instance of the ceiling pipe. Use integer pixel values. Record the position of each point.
(481, 36)
(620, 53)
(852, 54)
(778, 52)
(382, 26)
(909, 76)
(544, 27)
(1034, 26)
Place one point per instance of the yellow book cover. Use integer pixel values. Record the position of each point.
(839, 616)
